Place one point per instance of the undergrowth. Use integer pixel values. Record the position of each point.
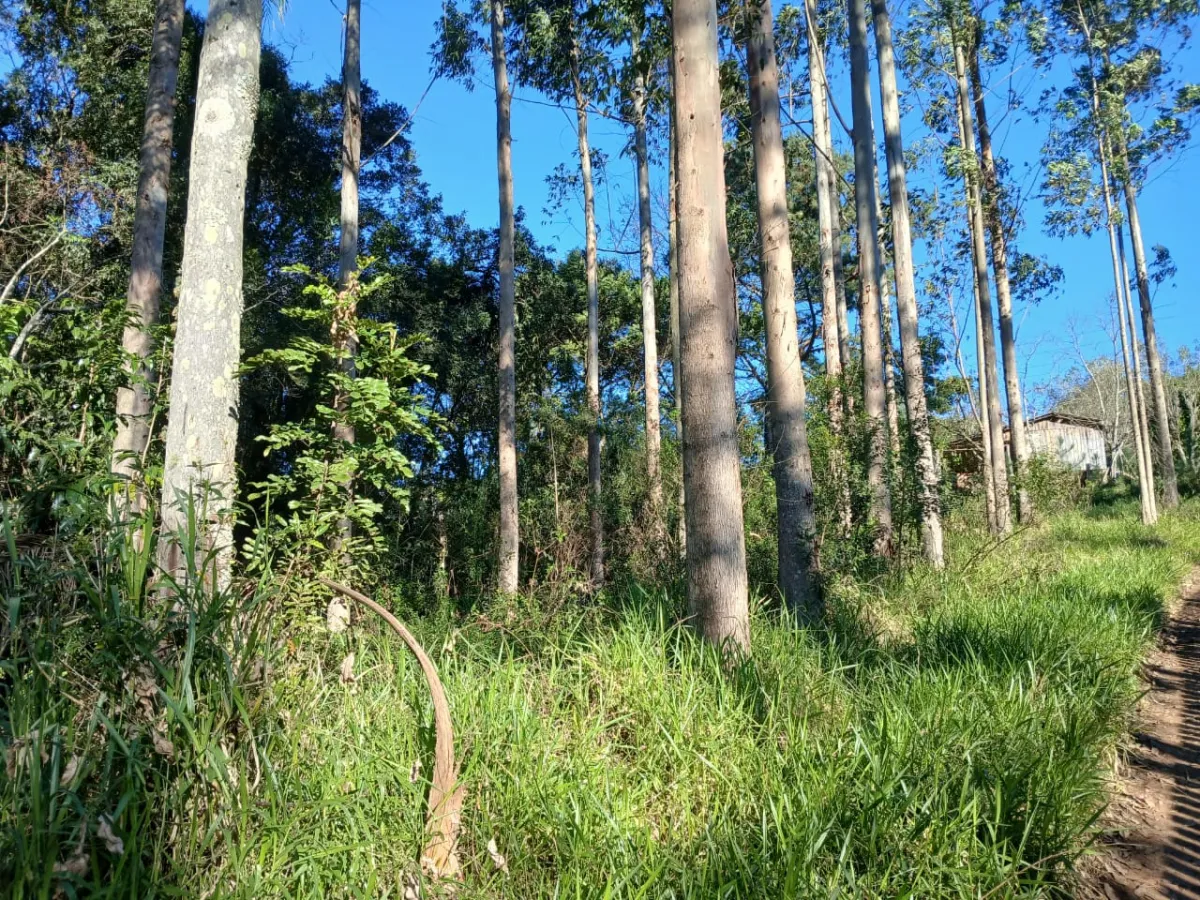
(940, 735)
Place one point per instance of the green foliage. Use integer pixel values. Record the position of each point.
(320, 480)
(921, 740)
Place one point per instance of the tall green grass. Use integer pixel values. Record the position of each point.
(942, 735)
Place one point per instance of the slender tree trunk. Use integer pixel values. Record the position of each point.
(1125, 326)
(593, 325)
(785, 375)
(676, 368)
(870, 287)
(831, 198)
(993, 216)
(199, 471)
(1162, 412)
(889, 369)
(134, 400)
(906, 295)
(708, 325)
(649, 324)
(510, 534)
(985, 424)
(839, 283)
(999, 465)
(351, 150)
(829, 247)
(1139, 378)
(344, 336)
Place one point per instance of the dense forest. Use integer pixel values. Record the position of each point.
(740, 553)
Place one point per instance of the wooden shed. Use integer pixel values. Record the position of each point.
(1074, 442)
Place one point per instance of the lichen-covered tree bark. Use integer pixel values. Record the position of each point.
(596, 513)
(510, 535)
(870, 287)
(199, 473)
(654, 488)
(134, 400)
(906, 294)
(1002, 523)
(708, 324)
(994, 219)
(792, 462)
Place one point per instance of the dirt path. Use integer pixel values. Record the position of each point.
(1152, 837)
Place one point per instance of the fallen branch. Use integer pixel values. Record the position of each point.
(440, 857)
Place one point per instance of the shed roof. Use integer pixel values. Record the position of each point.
(1056, 418)
(1066, 419)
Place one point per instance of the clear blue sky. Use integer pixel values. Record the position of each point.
(453, 134)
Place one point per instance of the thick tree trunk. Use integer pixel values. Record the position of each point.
(343, 334)
(708, 324)
(654, 488)
(134, 400)
(993, 216)
(676, 369)
(906, 295)
(1162, 412)
(510, 535)
(870, 287)
(999, 465)
(199, 470)
(830, 250)
(593, 327)
(785, 375)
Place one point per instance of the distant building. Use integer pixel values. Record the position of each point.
(1074, 442)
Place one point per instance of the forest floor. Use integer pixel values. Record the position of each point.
(1151, 838)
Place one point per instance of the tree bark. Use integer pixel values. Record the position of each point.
(999, 466)
(343, 332)
(1137, 417)
(994, 219)
(889, 367)
(932, 540)
(1139, 378)
(785, 375)
(830, 250)
(649, 324)
(985, 424)
(676, 369)
(510, 535)
(1162, 412)
(593, 327)
(870, 287)
(134, 400)
(199, 471)
(716, 562)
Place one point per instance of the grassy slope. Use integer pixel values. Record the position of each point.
(946, 736)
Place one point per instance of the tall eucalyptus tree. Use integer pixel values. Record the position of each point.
(199, 476)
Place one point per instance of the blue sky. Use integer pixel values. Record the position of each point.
(453, 133)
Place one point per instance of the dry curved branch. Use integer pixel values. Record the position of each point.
(440, 857)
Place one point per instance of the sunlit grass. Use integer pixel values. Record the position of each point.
(943, 735)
